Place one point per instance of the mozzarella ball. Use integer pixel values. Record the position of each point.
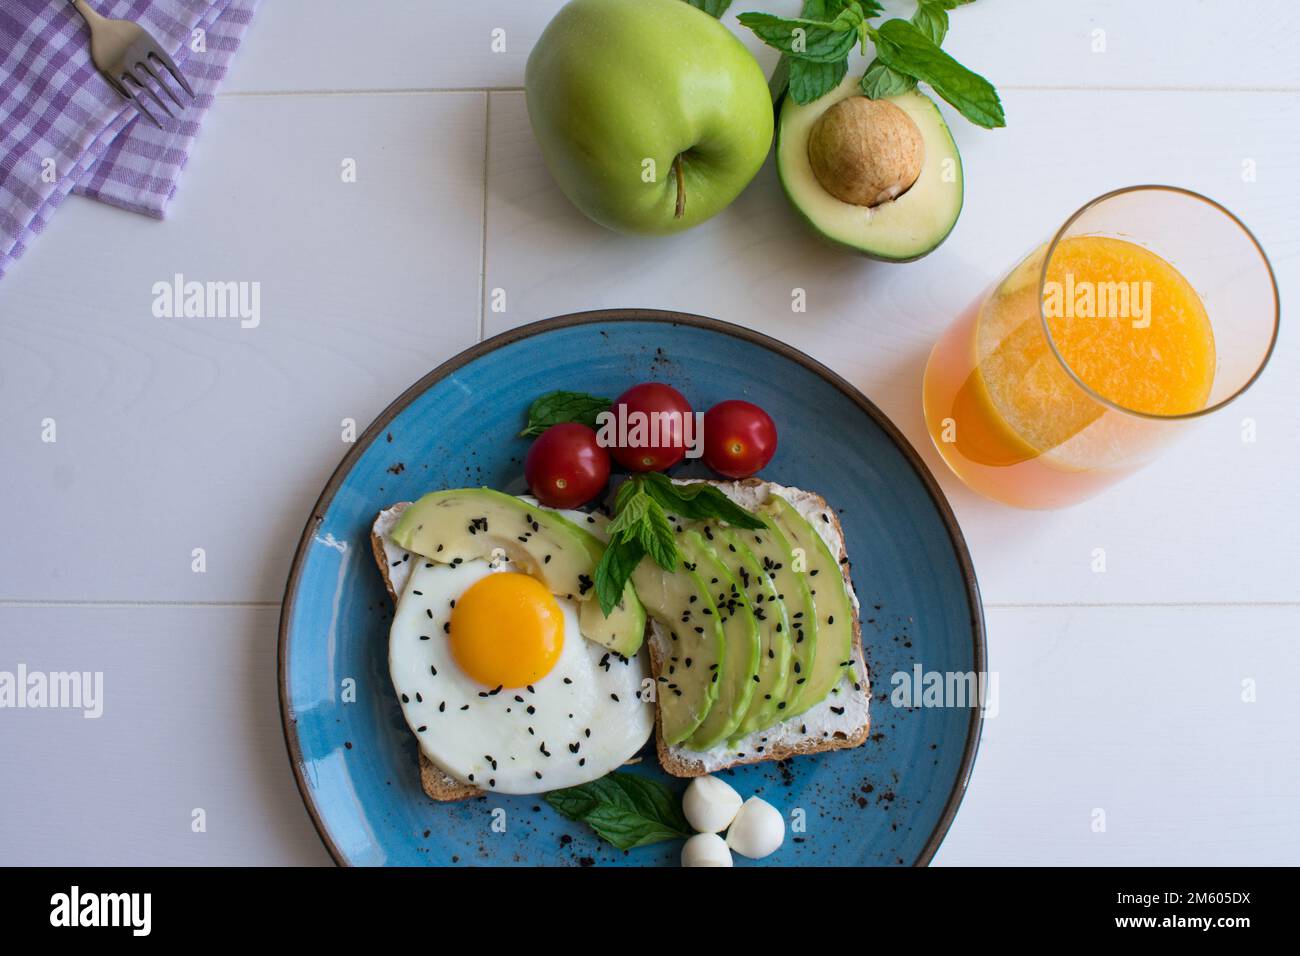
(758, 830)
(705, 849)
(710, 804)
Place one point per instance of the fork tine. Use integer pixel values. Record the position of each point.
(148, 68)
(139, 103)
(117, 85)
(162, 57)
(135, 75)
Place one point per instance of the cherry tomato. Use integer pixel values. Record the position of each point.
(663, 443)
(565, 466)
(739, 438)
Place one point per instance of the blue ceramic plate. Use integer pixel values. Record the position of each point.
(887, 802)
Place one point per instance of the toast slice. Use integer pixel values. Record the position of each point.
(818, 729)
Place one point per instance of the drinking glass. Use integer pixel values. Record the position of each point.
(1150, 308)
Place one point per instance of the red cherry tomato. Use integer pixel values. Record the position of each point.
(565, 466)
(739, 438)
(663, 441)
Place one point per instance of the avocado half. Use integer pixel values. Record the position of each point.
(899, 230)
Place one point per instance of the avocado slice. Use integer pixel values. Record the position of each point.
(832, 606)
(777, 559)
(733, 548)
(739, 678)
(898, 230)
(690, 675)
(467, 523)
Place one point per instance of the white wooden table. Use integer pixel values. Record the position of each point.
(1120, 690)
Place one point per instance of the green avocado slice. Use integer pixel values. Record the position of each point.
(464, 524)
(833, 607)
(739, 678)
(900, 230)
(689, 676)
(733, 548)
(775, 555)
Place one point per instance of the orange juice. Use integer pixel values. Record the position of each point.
(1041, 422)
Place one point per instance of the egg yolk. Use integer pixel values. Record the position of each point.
(506, 630)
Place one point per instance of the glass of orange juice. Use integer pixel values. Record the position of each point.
(1151, 307)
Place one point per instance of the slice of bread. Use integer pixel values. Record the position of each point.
(819, 728)
(814, 731)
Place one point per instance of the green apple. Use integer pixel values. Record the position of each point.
(651, 115)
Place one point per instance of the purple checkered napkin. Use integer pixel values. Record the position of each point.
(63, 129)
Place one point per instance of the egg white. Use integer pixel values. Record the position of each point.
(577, 723)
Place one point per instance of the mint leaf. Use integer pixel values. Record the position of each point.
(903, 47)
(558, 408)
(629, 510)
(881, 81)
(931, 19)
(640, 518)
(698, 501)
(714, 8)
(828, 10)
(640, 527)
(616, 565)
(808, 80)
(656, 536)
(804, 39)
(626, 810)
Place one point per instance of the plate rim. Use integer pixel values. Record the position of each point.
(288, 723)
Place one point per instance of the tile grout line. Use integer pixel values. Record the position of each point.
(482, 254)
(1027, 88)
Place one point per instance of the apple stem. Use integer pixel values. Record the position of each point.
(681, 187)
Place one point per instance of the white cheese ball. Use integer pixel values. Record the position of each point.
(710, 804)
(758, 830)
(705, 849)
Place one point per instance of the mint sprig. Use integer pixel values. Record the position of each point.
(815, 51)
(626, 810)
(558, 408)
(641, 527)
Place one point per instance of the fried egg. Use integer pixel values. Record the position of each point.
(501, 689)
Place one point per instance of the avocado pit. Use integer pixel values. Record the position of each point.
(865, 152)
